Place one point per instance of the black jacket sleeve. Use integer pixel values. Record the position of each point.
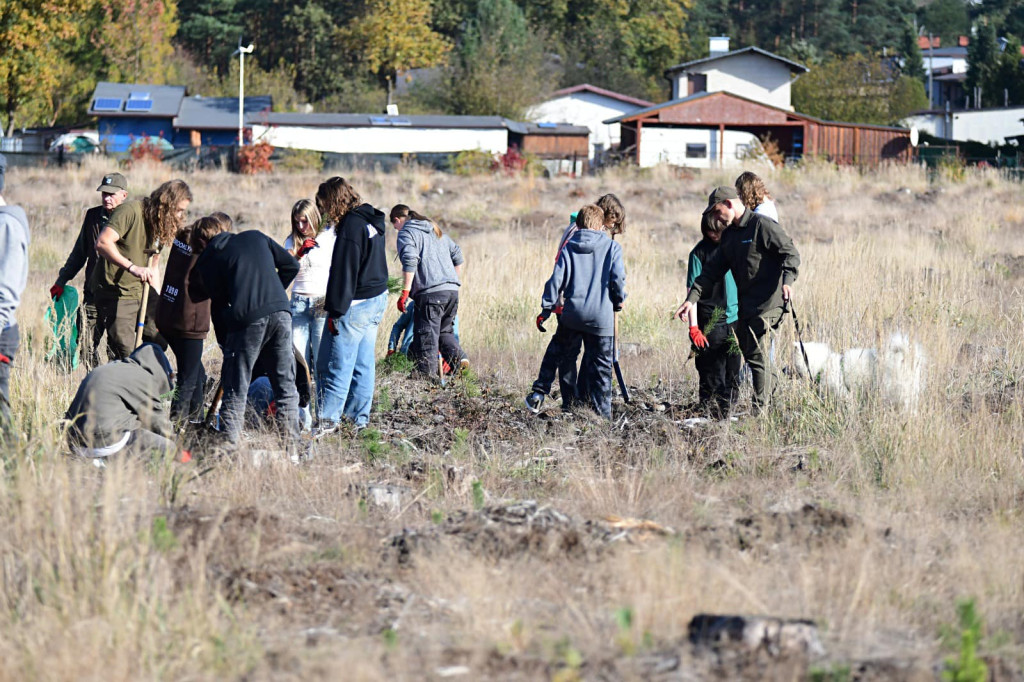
(348, 254)
(197, 290)
(287, 266)
(79, 255)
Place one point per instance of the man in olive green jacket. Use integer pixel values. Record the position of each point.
(764, 263)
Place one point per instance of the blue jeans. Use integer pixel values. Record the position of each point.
(346, 367)
(308, 322)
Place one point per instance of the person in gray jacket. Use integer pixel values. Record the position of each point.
(589, 274)
(431, 267)
(14, 239)
(120, 407)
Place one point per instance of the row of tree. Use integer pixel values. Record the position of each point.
(482, 56)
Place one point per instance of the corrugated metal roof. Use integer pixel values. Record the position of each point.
(166, 99)
(219, 113)
(379, 120)
(794, 66)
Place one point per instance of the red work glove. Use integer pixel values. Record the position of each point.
(186, 456)
(698, 338)
(542, 318)
(559, 309)
(391, 351)
(306, 247)
(332, 326)
(56, 291)
(4, 360)
(402, 300)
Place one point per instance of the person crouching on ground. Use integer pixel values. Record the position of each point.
(764, 263)
(357, 295)
(564, 348)
(431, 270)
(717, 356)
(185, 322)
(245, 276)
(591, 277)
(135, 229)
(120, 407)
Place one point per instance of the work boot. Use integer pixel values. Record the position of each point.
(534, 401)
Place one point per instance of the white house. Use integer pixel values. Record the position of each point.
(364, 134)
(990, 126)
(749, 72)
(587, 105)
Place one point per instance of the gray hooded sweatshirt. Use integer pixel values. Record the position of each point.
(120, 397)
(432, 259)
(591, 276)
(14, 238)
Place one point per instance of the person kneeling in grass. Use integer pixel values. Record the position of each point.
(120, 407)
(589, 274)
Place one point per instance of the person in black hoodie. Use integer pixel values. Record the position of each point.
(245, 276)
(357, 295)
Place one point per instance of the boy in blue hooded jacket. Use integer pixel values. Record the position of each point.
(589, 274)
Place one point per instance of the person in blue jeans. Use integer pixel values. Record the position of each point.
(314, 251)
(357, 295)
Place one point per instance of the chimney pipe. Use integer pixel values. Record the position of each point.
(718, 45)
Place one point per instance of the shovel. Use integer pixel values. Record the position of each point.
(140, 323)
(615, 362)
(788, 307)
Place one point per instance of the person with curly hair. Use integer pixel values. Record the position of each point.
(357, 295)
(136, 229)
(755, 196)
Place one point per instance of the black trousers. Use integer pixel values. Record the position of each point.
(560, 356)
(593, 386)
(718, 367)
(433, 318)
(188, 392)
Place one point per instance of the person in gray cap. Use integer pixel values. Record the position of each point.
(114, 189)
(14, 239)
(764, 263)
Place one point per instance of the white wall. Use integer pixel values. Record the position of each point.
(668, 145)
(991, 126)
(584, 109)
(384, 139)
(748, 75)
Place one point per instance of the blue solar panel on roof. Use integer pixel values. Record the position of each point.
(547, 125)
(138, 105)
(106, 104)
(380, 121)
(401, 122)
(138, 95)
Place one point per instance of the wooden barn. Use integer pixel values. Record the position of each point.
(562, 148)
(720, 129)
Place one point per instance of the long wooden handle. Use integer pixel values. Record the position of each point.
(140, 323)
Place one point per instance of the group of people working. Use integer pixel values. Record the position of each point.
(739, 275)
(275, 346)
(273, 343)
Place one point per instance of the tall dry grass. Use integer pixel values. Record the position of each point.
(93, 586)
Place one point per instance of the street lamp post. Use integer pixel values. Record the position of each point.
(241, 52)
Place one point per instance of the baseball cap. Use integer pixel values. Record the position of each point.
(720, 194)
(114, 182)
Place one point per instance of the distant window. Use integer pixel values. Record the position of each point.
(743, 151)
(696, 151)
(696, 83)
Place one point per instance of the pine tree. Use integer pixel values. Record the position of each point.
(982, 63)
(910, 51)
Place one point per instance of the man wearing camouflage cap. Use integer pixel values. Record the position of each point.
(764, 263)
(114, 189)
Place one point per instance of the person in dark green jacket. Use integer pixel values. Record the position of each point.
(764, 263)
(717, 358)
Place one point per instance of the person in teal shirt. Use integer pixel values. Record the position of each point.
(711, 327)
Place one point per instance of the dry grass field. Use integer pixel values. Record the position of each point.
(413, 551)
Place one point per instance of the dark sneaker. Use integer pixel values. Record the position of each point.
(534, 402)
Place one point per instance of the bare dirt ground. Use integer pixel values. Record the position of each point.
(462, 537)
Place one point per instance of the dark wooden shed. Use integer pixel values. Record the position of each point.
(552, 142)
(797, 135)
